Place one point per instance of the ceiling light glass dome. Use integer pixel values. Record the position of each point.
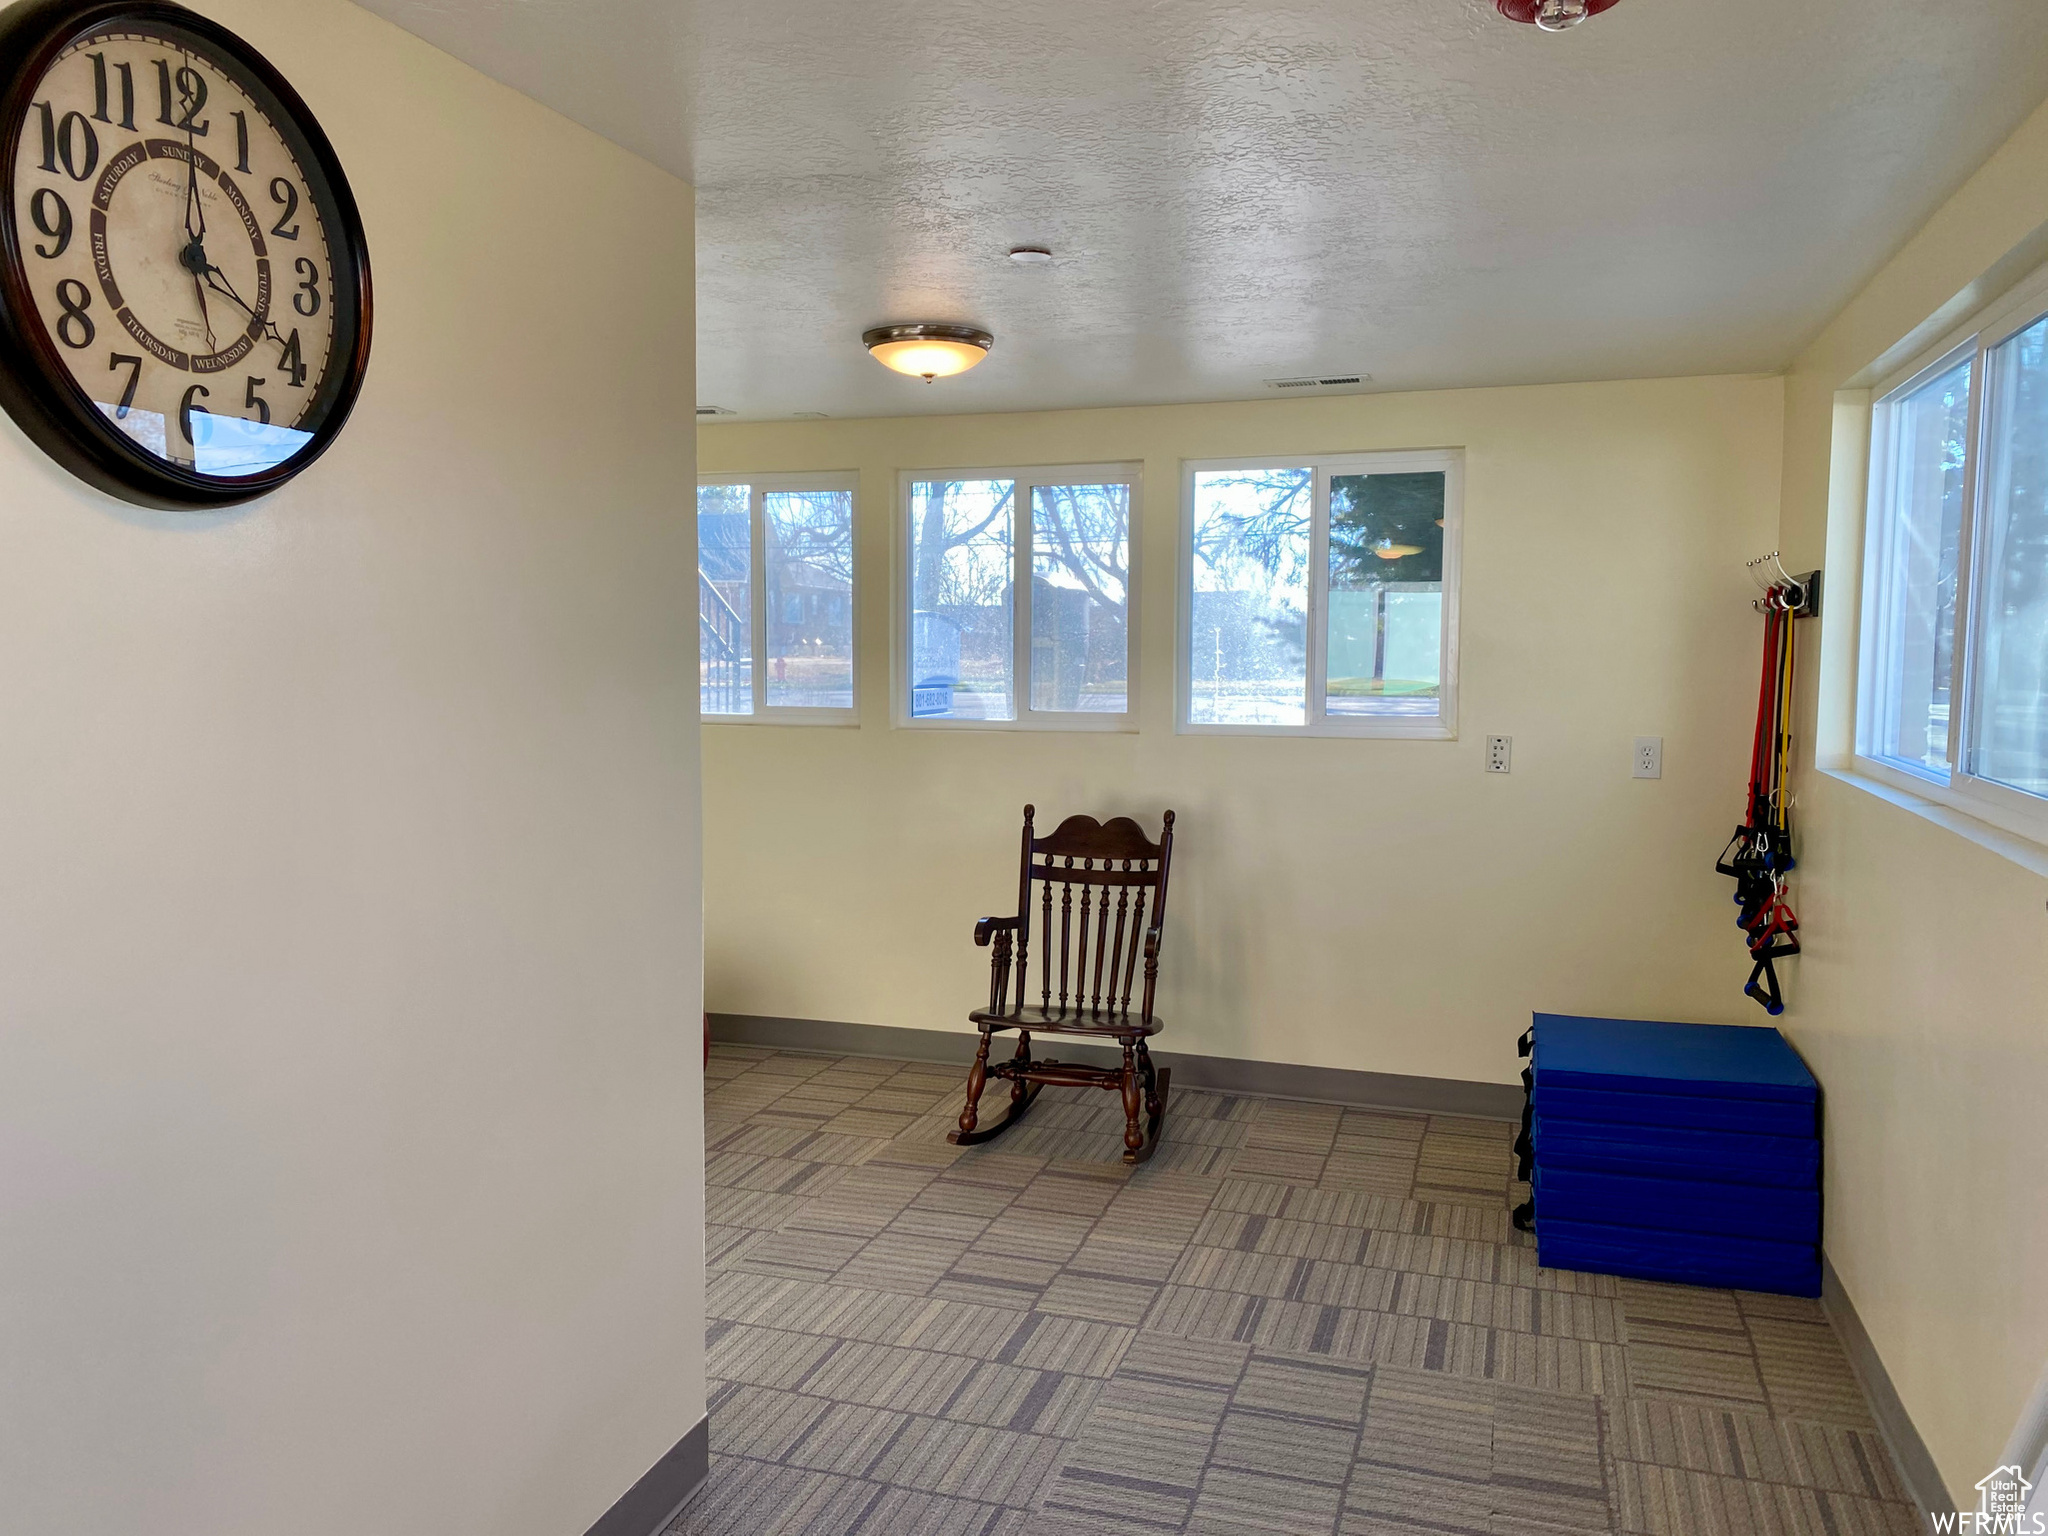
(928, 350)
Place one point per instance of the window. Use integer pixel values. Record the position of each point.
(1320, 596)
(1018, 598)
(1914, 632)
(775, 598)
(1954, 669)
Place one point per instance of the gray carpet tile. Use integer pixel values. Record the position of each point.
(1296, 1320)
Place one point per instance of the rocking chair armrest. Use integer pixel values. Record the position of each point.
(988, 927)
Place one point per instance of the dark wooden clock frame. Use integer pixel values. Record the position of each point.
(36, 386)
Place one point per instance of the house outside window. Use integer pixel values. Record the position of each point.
(1017, 604)
(775, 598)
(1319, 595)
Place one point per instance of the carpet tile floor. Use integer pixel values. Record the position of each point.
(1297, 1320)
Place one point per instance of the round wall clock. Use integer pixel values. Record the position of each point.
(184, 288)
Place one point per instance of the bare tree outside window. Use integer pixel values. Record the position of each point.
(962, 569)
(965, 537)
(775, 598)
(1247, 632)
(1080, 570)
(810, 598)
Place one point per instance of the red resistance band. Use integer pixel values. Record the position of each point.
(1760, 854)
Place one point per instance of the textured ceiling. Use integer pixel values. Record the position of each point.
(1235, 192)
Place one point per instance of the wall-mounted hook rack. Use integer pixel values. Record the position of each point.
(1798, 595)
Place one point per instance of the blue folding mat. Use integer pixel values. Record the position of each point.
(1680, 1152)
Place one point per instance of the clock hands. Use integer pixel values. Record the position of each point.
(218, 281)
(199, 287)
(194, 206)
(193, 257)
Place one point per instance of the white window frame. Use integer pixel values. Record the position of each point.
(1957, 788)
(1444, 727)
(1023, 506)
(758, 489)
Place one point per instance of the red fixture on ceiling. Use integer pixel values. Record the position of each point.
(1553, 15)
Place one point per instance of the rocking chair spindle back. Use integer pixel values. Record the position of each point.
(1088, 967)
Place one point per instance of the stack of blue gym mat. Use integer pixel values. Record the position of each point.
(1682, 1152)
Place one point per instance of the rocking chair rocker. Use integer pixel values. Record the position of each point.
(1100, 859)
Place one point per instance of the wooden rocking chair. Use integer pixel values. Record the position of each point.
(1093, 996)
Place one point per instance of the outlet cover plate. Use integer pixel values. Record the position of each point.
(1500, 754)
(1649, 758)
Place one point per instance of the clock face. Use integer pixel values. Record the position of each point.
(184, 277)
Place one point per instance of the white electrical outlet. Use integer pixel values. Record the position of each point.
(1500, 754)
(1649, 757)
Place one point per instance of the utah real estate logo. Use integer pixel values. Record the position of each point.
(2001, 1509)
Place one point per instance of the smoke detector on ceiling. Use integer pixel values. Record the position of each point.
(1320, 381)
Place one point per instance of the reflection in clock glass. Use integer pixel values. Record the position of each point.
(145, 427)
(230, 446)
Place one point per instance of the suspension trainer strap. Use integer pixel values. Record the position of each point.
(1760, 853)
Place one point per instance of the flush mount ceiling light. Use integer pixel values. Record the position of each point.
(1031, 255)
(927, 350)
(1553, 15)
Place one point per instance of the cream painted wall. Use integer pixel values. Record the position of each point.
(1379, 905)
(1920, 998)
(350, 1093)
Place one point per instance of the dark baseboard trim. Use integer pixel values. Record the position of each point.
(1916, 1467)
(1273, 1079)
(646, 1508)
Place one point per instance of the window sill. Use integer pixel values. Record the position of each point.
(2021, 850)
(834, 721)
(1378, 730)
(1036, 724)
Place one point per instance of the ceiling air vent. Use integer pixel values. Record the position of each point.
(715, 410)
(1320, 381)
